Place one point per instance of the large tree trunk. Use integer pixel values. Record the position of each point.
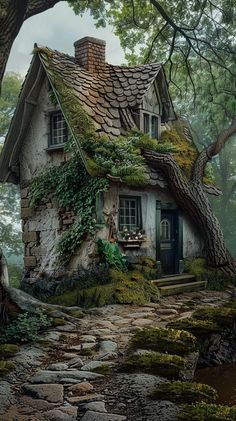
(191, 198)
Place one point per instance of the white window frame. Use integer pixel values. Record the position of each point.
(142, 112)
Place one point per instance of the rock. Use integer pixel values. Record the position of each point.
(92, 365)
(97, 406)
(108, 346)
(6, 396)
(142, 322)
(39, 404)
(75, 362)
(88, 338)
(83, 387)
(62, 414)
(86, 398)
(50, 392)
(106, 356)
(57, 366)
(97, 416)
(47, 376)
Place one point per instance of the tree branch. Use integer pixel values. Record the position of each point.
(212, 150)
(38, 6)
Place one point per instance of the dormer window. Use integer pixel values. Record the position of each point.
(150, 123)
(58, 130)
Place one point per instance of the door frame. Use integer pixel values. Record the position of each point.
(179, 235)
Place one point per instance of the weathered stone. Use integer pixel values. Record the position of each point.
(29, 236)
(97, 406)
(47, 376)
(57, 366)
(108, 346)
(83, 387)
(30, 261)
(97, 416)
(49, 392)
(92, 365)
(6, 396)
(62, 414)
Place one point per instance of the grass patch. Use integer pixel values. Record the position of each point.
(173, 341)
(165, 365)
(185, 392)
(207, 412)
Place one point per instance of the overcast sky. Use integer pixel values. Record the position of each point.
(59, 28)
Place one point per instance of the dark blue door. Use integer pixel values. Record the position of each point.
(168, 241)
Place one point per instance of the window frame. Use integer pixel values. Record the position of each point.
(138, 215)
(51, 116)
(143, 114)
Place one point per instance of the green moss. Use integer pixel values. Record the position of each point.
(185, 392)
(222, 316)
(207, 412)
(165, 365)
(103, 369)
(172, 341)
(58, 321)
(8, 350)
(126, 288)
(6, 367)
(196, 327)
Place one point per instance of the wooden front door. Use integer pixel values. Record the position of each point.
(169, 241)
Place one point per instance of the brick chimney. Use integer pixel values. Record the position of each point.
(90, 53)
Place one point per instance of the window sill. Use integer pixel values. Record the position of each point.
(55, 148)
(131, 244)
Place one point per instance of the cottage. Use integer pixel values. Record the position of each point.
(60, 96)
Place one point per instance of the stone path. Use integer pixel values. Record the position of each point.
(71, 373)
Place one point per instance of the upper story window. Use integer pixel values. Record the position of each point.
(130, 213)
(150, 124)
(58, 130)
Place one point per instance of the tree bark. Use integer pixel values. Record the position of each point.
(191, 198)
(13, 13)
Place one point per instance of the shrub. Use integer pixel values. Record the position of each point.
(165, 365)
(197, 327)
(111, 255)
(222, 316)
(165, 340)
(25, 328)
(185, 392)
(6, 367)
(207, 412)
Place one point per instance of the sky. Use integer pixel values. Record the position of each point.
(58, 28)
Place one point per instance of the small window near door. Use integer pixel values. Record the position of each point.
(58, 130)
(130, 213)
(165, 229)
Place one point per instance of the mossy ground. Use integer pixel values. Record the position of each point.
(207, 412)
(8, 350)
(6, 367)
(185, 392)
(125, 288)
(164, 365)
(172, 341)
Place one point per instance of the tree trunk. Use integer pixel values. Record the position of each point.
(191, 198)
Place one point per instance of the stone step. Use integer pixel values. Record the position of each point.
(173, 280)
(183, 287)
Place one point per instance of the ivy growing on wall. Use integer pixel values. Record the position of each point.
(73, 188)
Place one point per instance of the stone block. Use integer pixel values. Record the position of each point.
(30, 261)
(25, 203)
(30, 237)
(26, 213)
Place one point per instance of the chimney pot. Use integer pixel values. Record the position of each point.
(90, 53)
